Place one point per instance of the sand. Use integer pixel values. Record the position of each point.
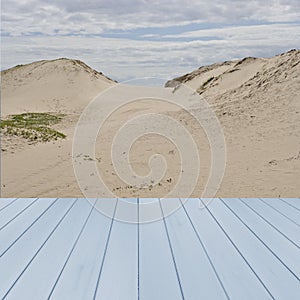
(256, 100)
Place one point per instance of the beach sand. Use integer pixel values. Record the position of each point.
(257, 102)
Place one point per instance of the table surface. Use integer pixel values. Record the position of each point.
(150, 249)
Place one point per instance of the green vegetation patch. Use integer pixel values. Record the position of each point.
(33, 126)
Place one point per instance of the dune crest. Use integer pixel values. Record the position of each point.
(50, 85)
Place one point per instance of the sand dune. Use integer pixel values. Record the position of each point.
(58, 85)
(256, 100)
(258, 104)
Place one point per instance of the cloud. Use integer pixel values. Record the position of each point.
(124, 58)
(265, 33)
(137, 38)
(67, 17)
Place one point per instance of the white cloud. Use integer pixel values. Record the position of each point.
(46, 29)
(253, 32)
(97, 16)
(125, 58)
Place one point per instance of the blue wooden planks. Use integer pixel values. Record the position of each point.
(78, 279)
(71, 249)
(239, 279)
(120, 263)
(5, 202)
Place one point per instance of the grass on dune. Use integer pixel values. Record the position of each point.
(33, 126)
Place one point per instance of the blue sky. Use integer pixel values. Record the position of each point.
(140, 38)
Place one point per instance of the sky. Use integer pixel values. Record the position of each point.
(142, 38)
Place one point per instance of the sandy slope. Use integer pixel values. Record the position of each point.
(64, 86)
(258, 104)
(58, 85)
(256, 100)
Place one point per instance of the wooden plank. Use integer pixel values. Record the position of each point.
(197, 274)
(14, 210)
(157, 273)
(120, 264)
(263, 262)
(47, 264)
(282, 208)
(19, 256)
(237, 276)
(5, 202)
(294, 202)
(79, 277)
(279, 222)
(281, 247)
(10, 234)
